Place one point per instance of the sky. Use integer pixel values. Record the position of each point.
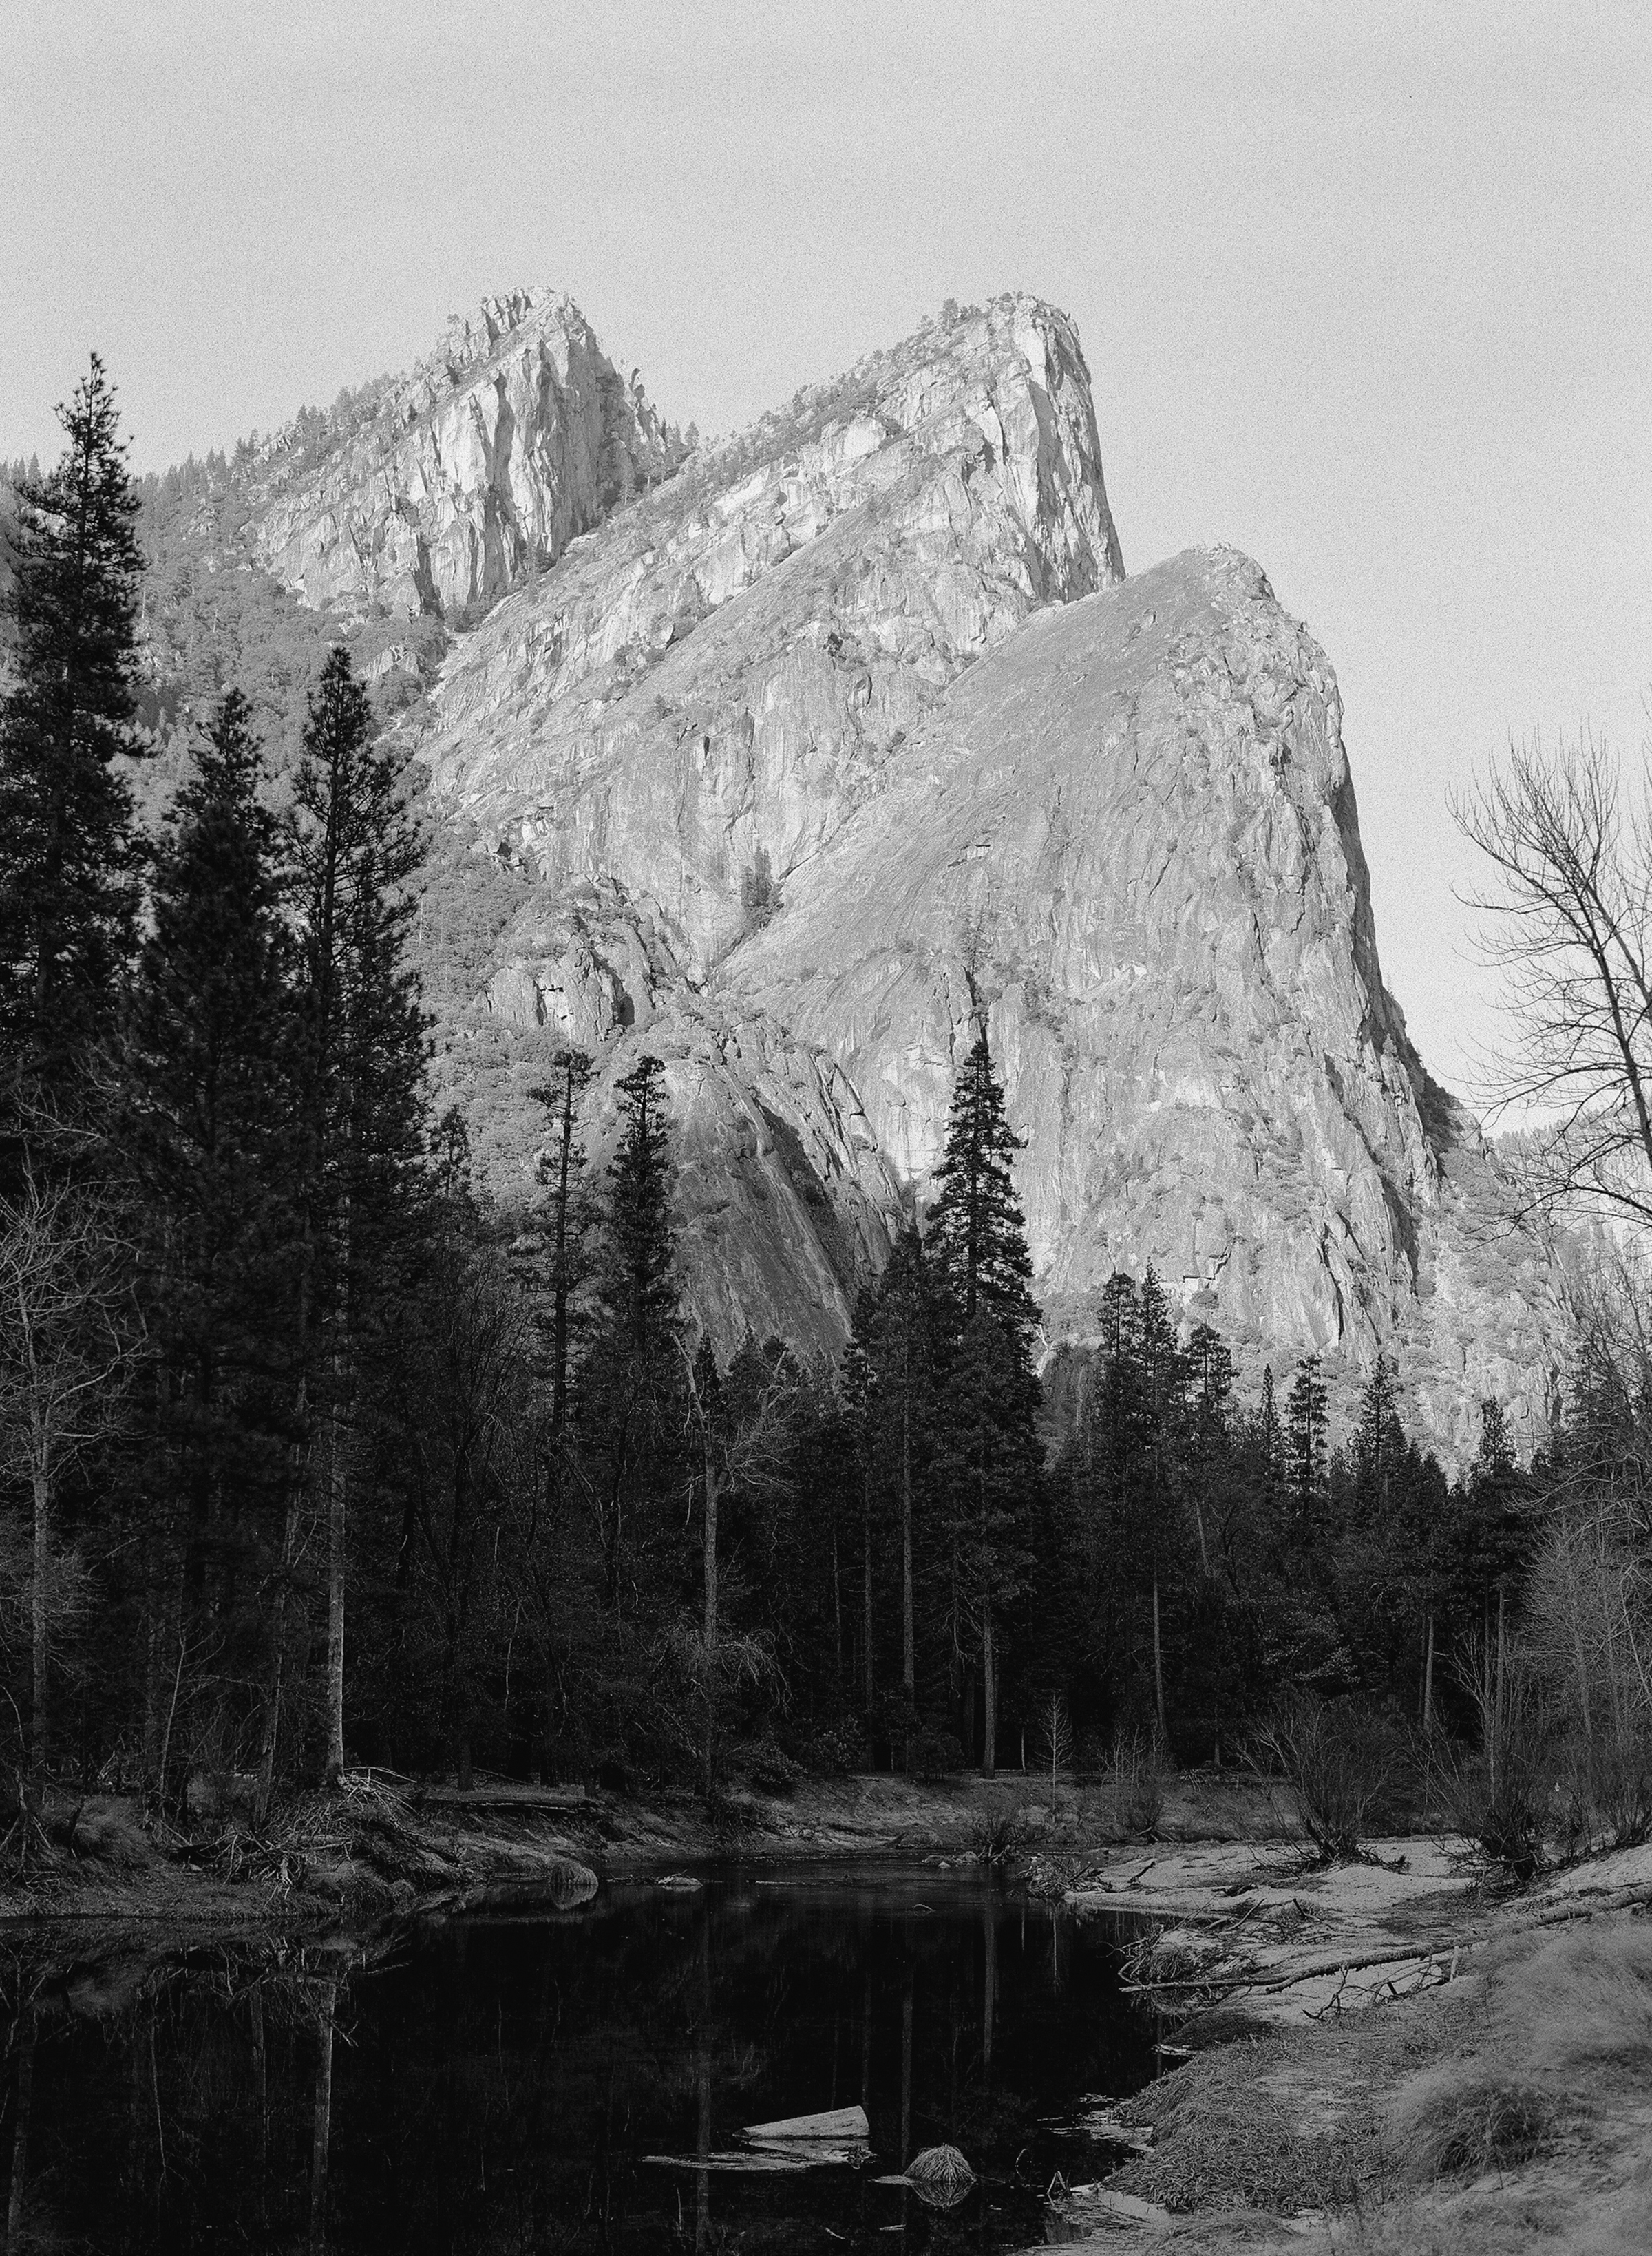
(1365, 290)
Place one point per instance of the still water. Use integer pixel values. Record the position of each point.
(496, 2086)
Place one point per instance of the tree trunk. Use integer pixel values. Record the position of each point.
(990, 1983)
(836, 1607)
(1158, 1655)
(866, 1557)
(1428, 1676)
(20, 2133)
(278, 1633)
(711, 1614)
(559, 1342)
(335, 1538)
(908, 1662)
(906, 2066)
(989, 1698)
(322, 2123)
(38, 1615)
(337, 1500)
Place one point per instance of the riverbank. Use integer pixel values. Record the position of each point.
(1388, 2056)
(380, 1848)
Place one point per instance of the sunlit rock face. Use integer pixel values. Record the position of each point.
(441, 489)
(852, 719)
(699, 695)
(1131, 831)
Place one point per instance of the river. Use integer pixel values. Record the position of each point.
(505, 2085)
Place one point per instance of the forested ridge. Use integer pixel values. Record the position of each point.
(316, 1455)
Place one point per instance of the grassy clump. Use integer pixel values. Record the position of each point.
(1462, 2119)
(1228, 2136)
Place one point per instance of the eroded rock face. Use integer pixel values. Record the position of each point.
(1133, 829)
(859, 710)
(702, 691)
(441, 489)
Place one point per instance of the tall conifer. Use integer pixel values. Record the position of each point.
(68, 854)
(361, 1038)
(214, 1143)
(633, 1408)
(977, 1232)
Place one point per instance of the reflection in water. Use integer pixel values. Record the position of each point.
(322, 2131)
(493, 2087)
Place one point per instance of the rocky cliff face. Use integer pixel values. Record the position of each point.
(859, 710)
(698, 697)
(442, 489)
(1132, 830)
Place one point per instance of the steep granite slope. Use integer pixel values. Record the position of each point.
(441, 488)
(698, 695)
(1132, 829)
(766, 766)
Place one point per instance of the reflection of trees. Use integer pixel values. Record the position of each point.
(173, 2105)
(488, 2090)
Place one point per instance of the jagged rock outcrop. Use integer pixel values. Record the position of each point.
(442, 489)
(1131, 830)
(840, 717)
(699, 694)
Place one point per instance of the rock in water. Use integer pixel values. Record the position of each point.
(939, 2176)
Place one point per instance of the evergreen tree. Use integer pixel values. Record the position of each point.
(633, 1410)
(1162, 1373)
(69, 856)
(561, 1174)
(642, 1276)
(977, 1231)
(360, 1053)
(894, 1354)
(977, 1235)
(213, 1142)
(1377, 1439)
(1305, 1437)
(1270, 1443)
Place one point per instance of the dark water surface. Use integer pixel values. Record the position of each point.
(495, 2085)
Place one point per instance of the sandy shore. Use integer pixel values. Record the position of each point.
(1385, 2056)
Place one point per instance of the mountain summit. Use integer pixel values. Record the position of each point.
(783, 757)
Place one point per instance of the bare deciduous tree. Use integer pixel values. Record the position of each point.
(65, 1346)
(1569, 924)
(1055, 1735)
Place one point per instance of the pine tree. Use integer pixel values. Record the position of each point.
(976, 1227)
(1305, 1440)
(561, 1174)
(1161, 1391)
(643, 1271)
(977, 1235)
(214, 1140)
(68, 854)
(360, 1065)
(892, 1359)
(1377, 1439)
(633, 1412)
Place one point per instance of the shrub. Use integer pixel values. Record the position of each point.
(936, 1755)
(1341, 1760)
(1138, 1785)
(1460, 2121)
(768, 1768)
(837, 1748)
(1499, 1796)
(995, 1825)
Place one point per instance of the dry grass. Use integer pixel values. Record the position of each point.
(1461, 2119)
(1245, 2127)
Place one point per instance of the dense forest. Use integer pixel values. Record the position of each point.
(316, 1455)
